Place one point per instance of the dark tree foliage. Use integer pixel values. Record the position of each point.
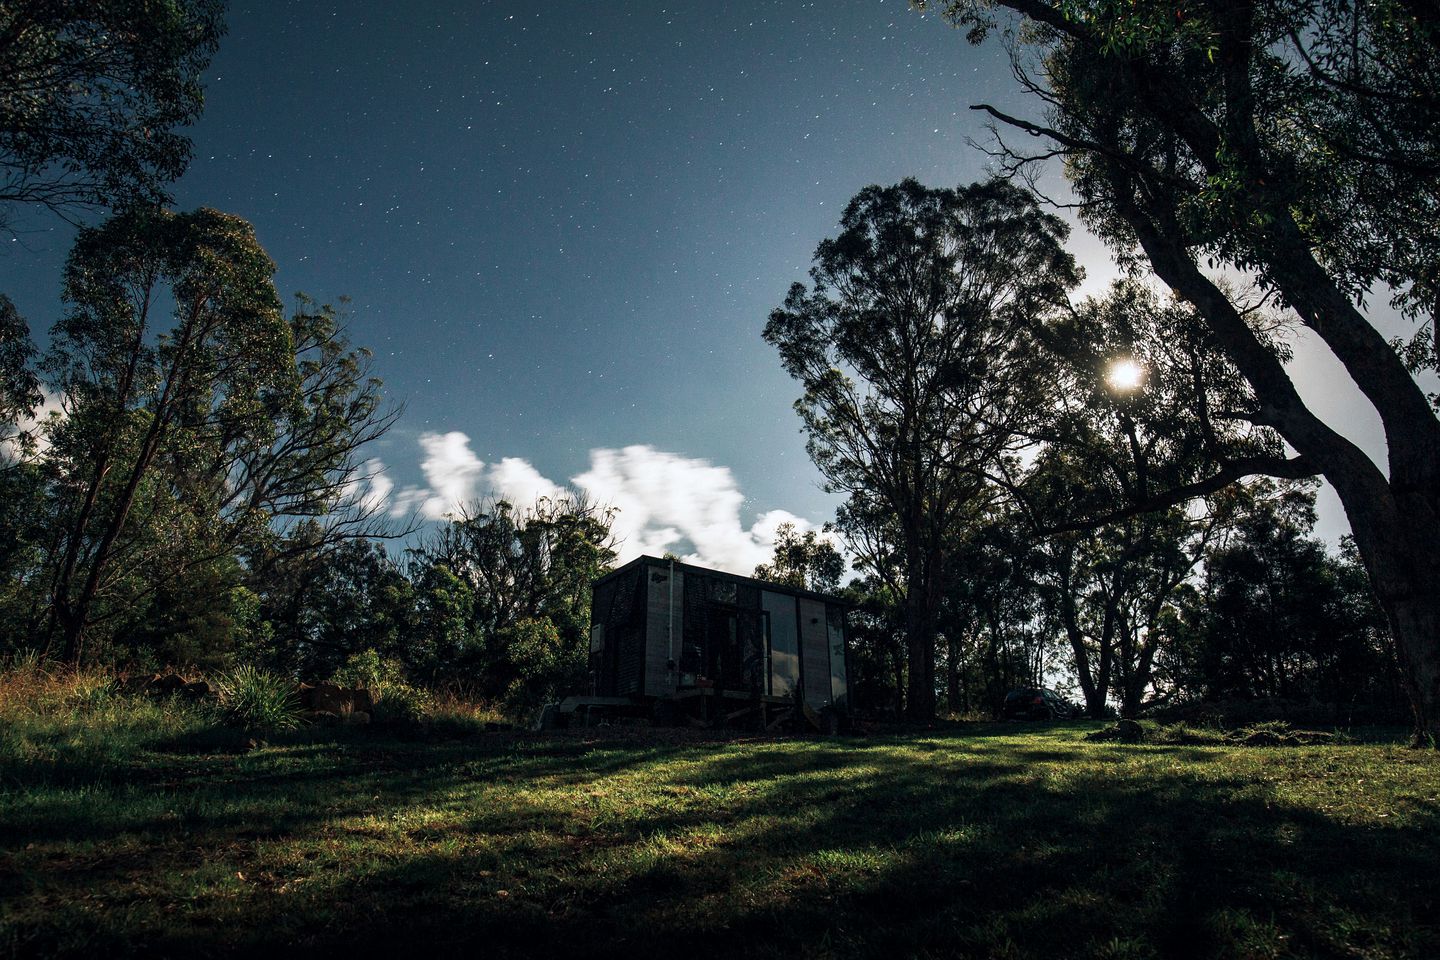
(138, 397)
(327, 607)
(507, 591)
(92, 94)
(19, 386)
(803, 561)
(1111, 550)
(910, 347)
(1296, 142)
(1276, 616)
(876, 647)
(998, 633)
(198, 424)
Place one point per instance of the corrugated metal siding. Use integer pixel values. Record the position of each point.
(601, 602)
(631, 661)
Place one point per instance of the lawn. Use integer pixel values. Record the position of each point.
(140, 830)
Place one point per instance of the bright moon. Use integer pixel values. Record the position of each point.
(1125, 375)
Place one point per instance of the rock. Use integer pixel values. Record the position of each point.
(199, 690)
(324, 696)
(165, 685)
(1130, 731)
(138, 683)
(355, 718)
(332, 698)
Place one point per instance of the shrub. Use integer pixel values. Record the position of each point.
(401, 703)
(370, 670)
(259, 700)
(396, 699)
(544, 665)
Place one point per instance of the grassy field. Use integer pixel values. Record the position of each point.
(128, 828)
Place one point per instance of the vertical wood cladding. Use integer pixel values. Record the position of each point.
(619, 607)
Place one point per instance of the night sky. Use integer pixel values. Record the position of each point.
(562, 228)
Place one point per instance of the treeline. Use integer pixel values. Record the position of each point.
(1258, 619)
(493, 604)
(197, 494)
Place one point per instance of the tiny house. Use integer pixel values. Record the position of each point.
(666, 630)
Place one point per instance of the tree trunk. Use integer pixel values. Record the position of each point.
(1405, 573)
(898, 658)
(920, 647)
(952, 675)
(921, 617)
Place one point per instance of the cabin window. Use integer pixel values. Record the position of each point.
(839, 683)
(784, 642)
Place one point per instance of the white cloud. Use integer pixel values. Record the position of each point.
(375, 484)
(452, 472)
(665, 501)
(49, 413)
(515, 480)
(456, 477)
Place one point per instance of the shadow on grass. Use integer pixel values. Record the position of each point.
(943, 844)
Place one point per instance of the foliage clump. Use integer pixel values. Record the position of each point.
(259, 700)
(396, 699)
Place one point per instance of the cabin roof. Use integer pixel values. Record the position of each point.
(722, 575)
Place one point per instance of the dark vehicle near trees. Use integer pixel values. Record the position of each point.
(1037, 703)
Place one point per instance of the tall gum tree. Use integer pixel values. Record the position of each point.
(1298, 143)
(93, 95)
(1138, 407)
(910, 346)
(131, 387)
(200, 422)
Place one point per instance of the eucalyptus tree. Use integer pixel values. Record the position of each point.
(1296, 142)
(92, 96)
(183, 441)
(1278, 615)
(1125, 491)
(21, 485)
(1109, 591)
(504, 583)
(19, 387)
(910, 346)
(803, 560)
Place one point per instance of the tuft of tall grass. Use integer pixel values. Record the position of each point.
(259, 700)
(32, 686)
(456, 706)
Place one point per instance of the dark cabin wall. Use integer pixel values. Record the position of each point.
(718, 630)
(660, 680)
(618, 608)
